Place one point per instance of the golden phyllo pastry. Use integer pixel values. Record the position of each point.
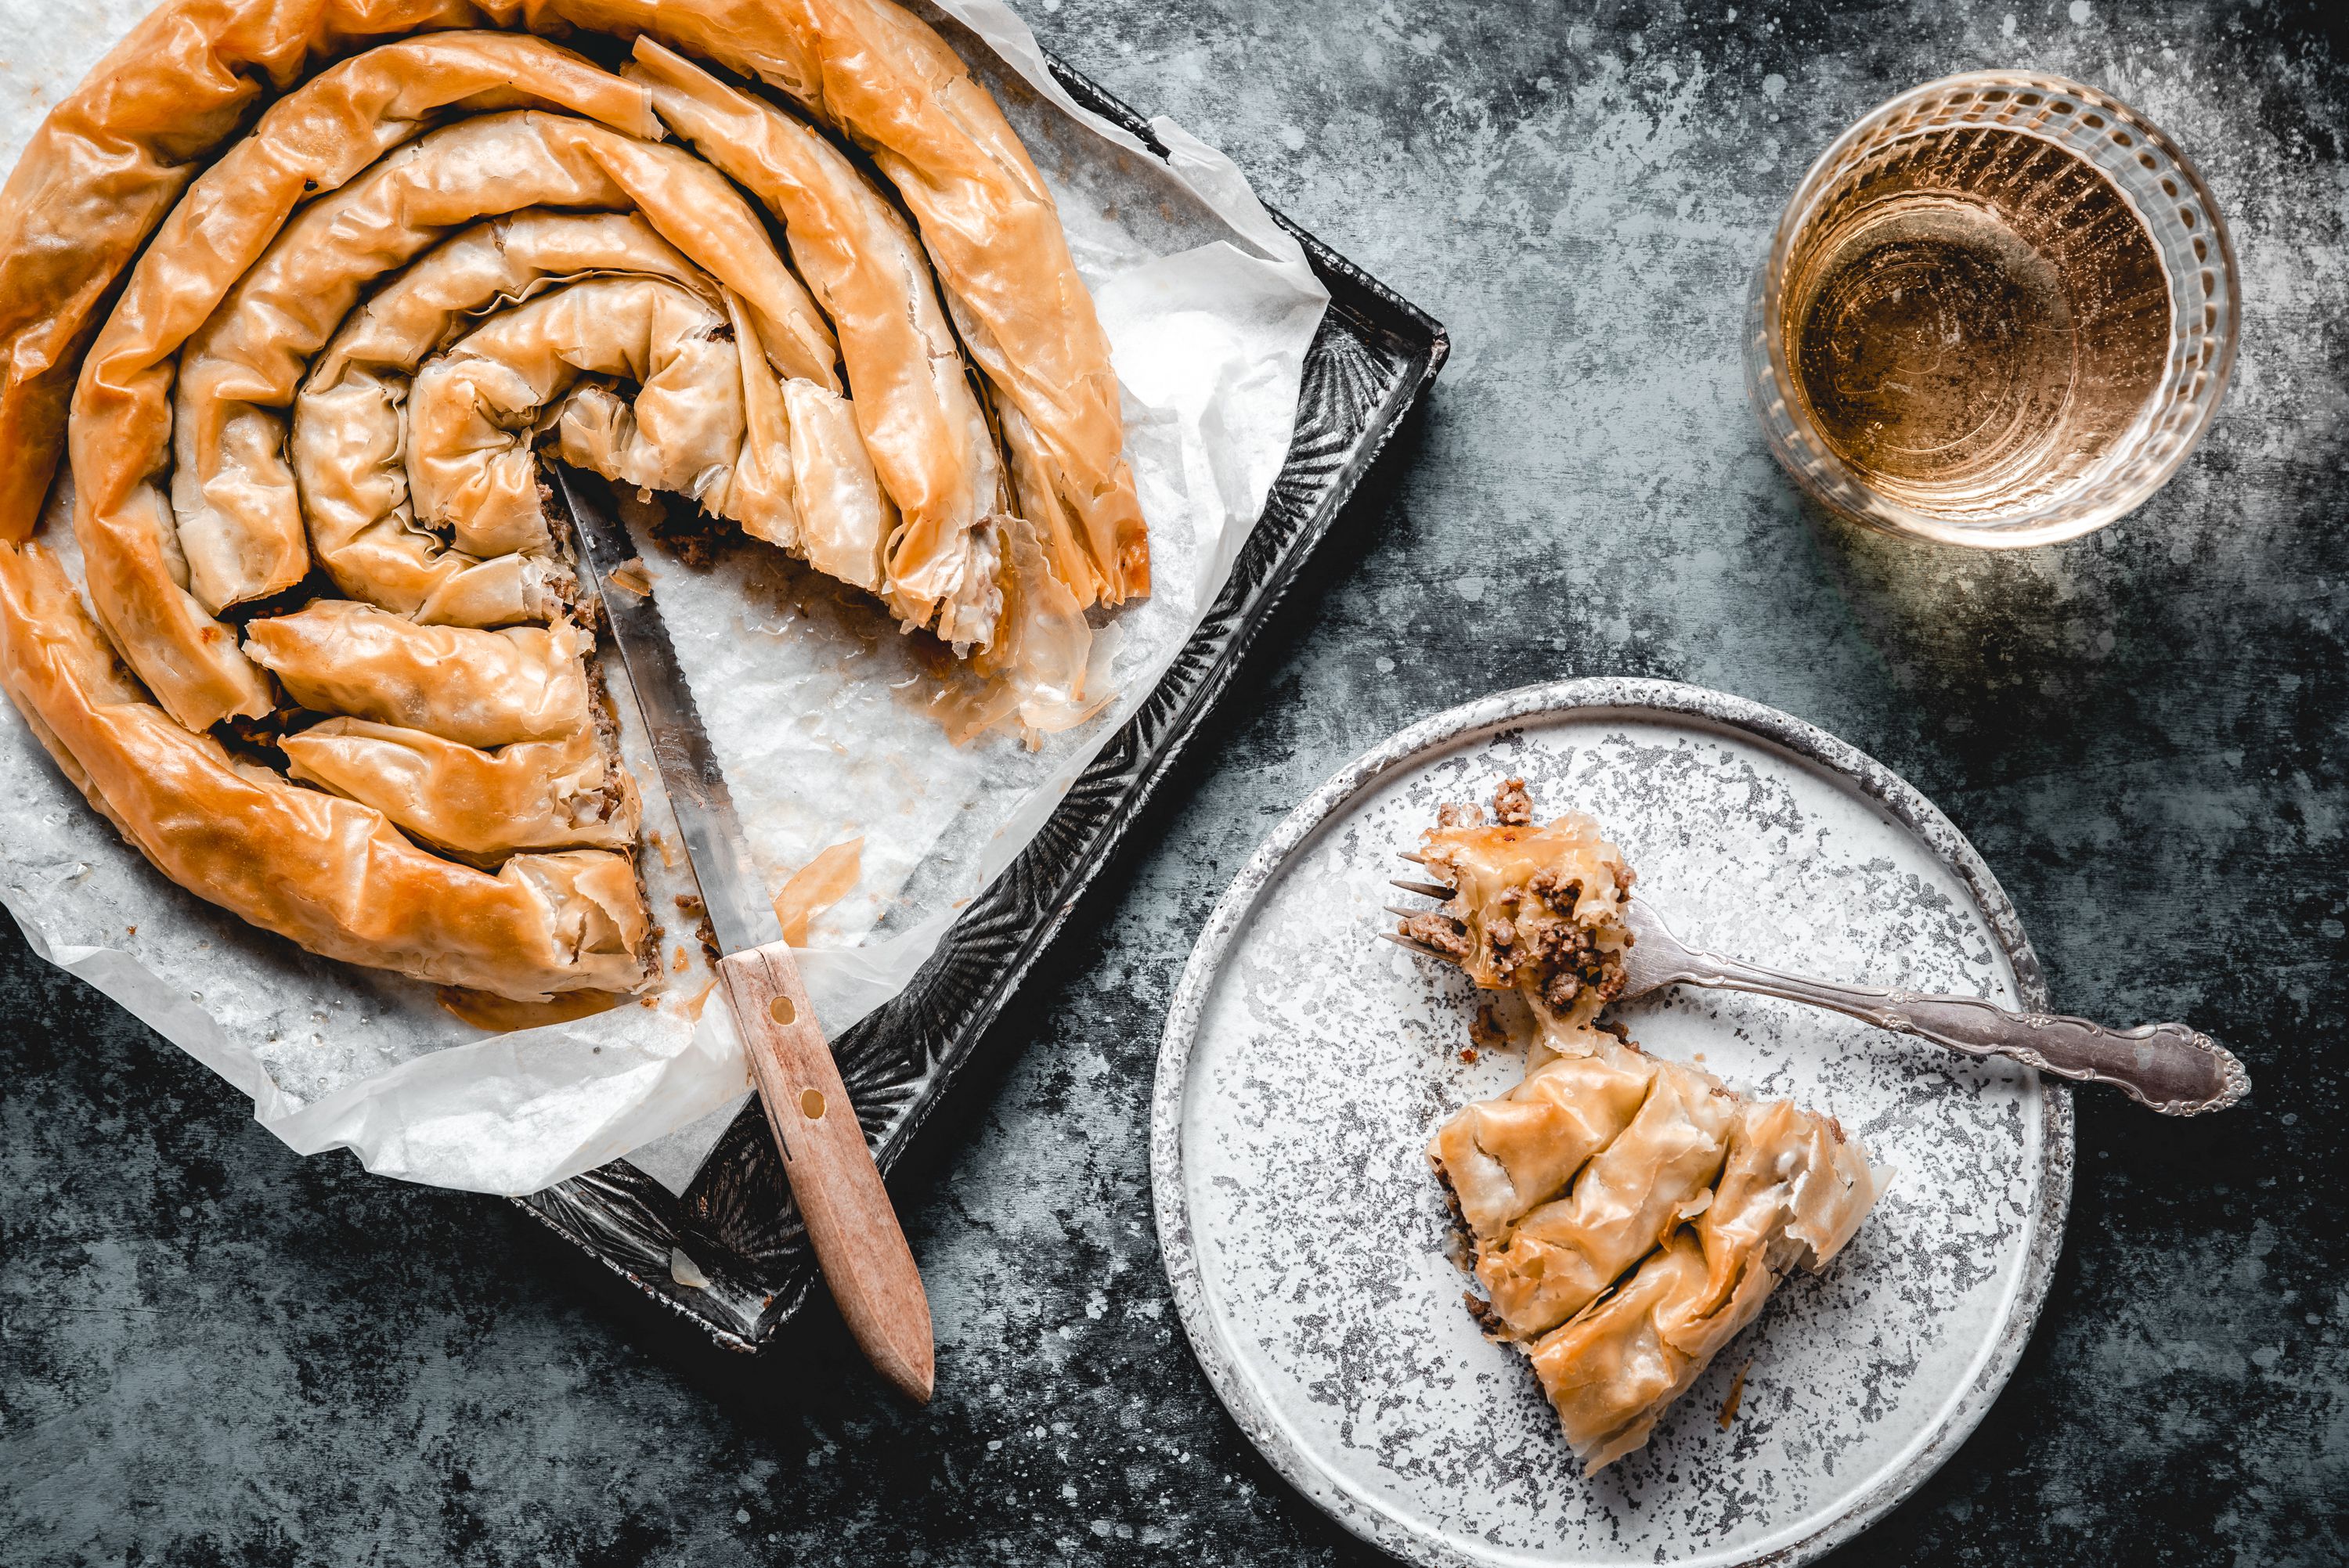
(1627, 1216)
(1505, 1157)
(1792, 1192)
(1556, 1259)
(308, 290)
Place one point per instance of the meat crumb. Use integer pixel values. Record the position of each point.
(1512, 806)
(1459, 814)
(1438, 931)
(1560, 894)
(1485, 1029)
(1468, 1054)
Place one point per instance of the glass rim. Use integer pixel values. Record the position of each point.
(2062, 518)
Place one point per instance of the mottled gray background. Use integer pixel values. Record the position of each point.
(213, 1353)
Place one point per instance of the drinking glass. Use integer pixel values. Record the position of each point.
(1957, 334)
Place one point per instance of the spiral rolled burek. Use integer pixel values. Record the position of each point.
(333, 673)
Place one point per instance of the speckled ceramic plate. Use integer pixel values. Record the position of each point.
(1305, 1064)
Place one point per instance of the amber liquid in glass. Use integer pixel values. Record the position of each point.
(1974, 317)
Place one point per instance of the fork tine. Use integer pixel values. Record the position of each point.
(1406, 913)
(1414, 860)
(1428, 890)
(1422, 948)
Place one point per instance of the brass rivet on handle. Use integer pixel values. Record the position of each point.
(812, 1104)
(782, 1010)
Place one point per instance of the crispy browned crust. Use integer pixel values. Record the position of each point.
(107, 164)
(925, 431)
(326, 873)
(317, 138)
(886, 79)
(99, 182)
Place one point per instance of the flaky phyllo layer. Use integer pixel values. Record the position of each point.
(338, 679)
(1627, 1216)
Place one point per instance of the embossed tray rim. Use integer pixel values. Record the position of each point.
(615, 1213)
(1593, 696)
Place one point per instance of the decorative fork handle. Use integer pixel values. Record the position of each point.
(2173, 1069)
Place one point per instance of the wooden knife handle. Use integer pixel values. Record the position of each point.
(854, 1231)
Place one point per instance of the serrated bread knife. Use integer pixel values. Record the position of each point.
(850, 1222)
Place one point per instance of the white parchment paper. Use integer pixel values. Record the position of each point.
(814, 706)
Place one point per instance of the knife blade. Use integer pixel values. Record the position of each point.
(858, 1242)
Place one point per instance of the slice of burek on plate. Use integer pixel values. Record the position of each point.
(1627, 1216)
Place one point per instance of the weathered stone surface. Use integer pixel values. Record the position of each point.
(213, 1353)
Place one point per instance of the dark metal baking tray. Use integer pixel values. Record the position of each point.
(1374, 358)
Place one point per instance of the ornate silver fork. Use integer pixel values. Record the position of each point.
(2170, 1068)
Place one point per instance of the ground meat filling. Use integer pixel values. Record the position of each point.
(1439, 932)
(1512, 806)
(1537, 935)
